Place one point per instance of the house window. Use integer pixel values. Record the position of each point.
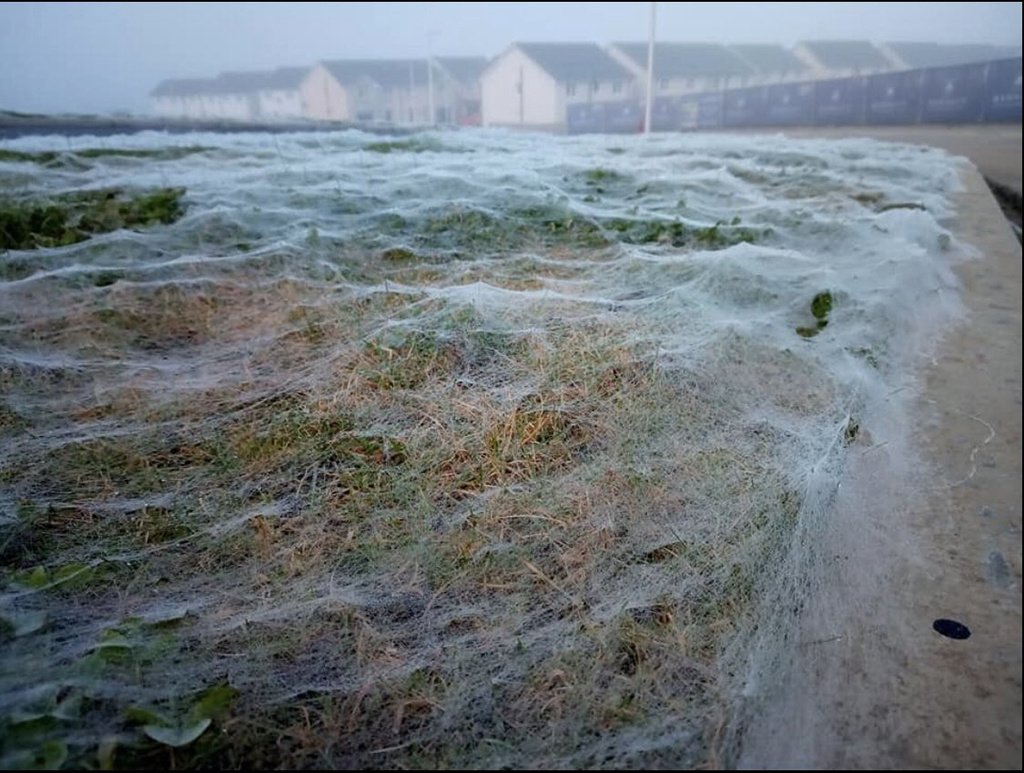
(570, 89)
(616, 87)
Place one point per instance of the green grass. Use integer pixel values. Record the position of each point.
(678, 234)
(402, 528)
(74, 217)
(412, 145)
(56, 158)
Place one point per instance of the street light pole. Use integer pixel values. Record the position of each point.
(430, 78)
(650, 72)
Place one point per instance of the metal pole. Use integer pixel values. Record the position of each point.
(430, 78)
(410, 105)
(650, 72)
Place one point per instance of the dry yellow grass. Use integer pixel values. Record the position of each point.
(414, 533)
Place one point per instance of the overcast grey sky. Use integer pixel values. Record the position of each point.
(99, 57)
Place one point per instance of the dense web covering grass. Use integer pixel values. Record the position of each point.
(454, 451)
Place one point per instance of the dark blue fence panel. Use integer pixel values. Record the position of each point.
(709, 110)
(623, 117)
(954, 94)
(789, 104)
(700, 111)
(666, 114)
(688, 109)
(613, 117)
(743, 107)
(1002, 94)
(894, 98)
(584, 118)
(986, 91)
(839, 102)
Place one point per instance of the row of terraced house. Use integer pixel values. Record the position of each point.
(533, 85)
(395, 91)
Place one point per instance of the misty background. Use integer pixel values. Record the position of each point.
(107, 57)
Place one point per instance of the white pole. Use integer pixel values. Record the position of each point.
(430, 77)
(650, 72)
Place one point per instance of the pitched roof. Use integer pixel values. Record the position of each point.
(464, 69)
(675, 60)
(180, 87)
(285, 78)
(940, 54)
(389, 73)
(768, 58)
(281, 79)
(846, 54)
(574, 62)
(237, 82)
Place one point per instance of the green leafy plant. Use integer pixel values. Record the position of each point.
(175, 729)
(821, 307)
(26, 739)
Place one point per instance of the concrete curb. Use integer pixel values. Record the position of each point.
(869, 683)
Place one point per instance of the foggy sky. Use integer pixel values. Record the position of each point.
(102, 57)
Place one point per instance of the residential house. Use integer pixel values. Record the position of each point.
(340, 91)
(394, 91)
(684, 68)
(178, 98)
(457, 80)
(771, 63)
(238, 96)
(537, 85)
(278, 95)
(915, 56)
(411, 87)
(403, 92)
(233, 96)
(841, 58)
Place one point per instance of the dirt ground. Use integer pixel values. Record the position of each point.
(871, 684)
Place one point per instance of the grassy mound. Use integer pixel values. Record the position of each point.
(74, 217)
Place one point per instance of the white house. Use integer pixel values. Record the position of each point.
(393, 91)
(684, 68)
(404, 91)
(238, 96)
(401, 91)
(233, 96)
(178, 98)
(458, 79)
(534, 85)
(771, 63)
(913, 56)
(340, 91)
(279, 96)
(842, 58)
(367, 91)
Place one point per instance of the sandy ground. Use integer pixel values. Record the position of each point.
(871, 684)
